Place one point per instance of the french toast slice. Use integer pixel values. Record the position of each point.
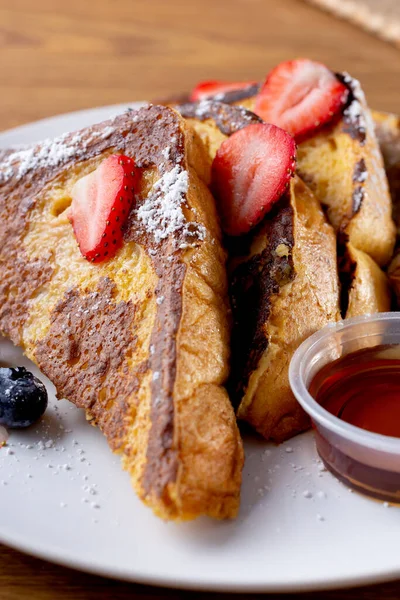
(283, 289)
(387, 129)
(283, 285)
(356, 200)
(141, 341)
(365, 288)
(342, 165)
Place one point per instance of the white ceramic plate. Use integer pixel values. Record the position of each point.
(64, 497)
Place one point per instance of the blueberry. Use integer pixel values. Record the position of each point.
(23, 398)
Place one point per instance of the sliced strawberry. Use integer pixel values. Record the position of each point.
(208, 89)
(101, 202)
(250, 172)
(300, 96)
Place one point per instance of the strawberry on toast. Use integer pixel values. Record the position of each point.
(113, 281)
(328, 115)
(338, 157)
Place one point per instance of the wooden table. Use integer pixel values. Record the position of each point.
(63, 55)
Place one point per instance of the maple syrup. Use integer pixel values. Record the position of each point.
(362, 388)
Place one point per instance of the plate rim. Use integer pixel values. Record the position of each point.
(73, 113)
(54, 556)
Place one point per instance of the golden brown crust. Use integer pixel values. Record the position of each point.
(366, 286)
(394, 276)
(387, 129)
(301, 305)
(125, 339)
(346, 172)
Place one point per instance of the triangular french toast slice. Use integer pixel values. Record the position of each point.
(283, 285)
(283, 289)
(140, 341)
(343, 166)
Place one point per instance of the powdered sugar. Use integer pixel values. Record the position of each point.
(48, 153)
(357, 113)
(166, 152)
(354, 114)
(362, 176)
(203, 108)
(161, 213)
(46, 457)
(107, 132)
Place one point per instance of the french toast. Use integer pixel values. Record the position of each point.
(342, 165)
(387, 128)
(140, 341)
(283, 286)
(365, 288)
(283, 289)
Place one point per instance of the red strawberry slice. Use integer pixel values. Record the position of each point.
(101, 202)
(250, 172)
(208, 89)
(300, 96)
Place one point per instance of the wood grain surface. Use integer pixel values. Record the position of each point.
(58, 56)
